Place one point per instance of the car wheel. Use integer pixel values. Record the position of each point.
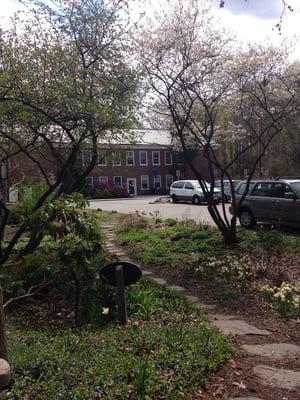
(196, 200)
(247, 219)
(174, 199)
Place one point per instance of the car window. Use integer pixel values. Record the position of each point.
(296, 187)
(262, 189)
(278, 189)
(242, 187)
(178, 185)
(188, 185)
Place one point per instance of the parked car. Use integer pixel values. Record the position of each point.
(190, 190)
(270, 201)
(226, 186)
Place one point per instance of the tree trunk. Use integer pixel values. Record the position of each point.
(3, 343)
(229, 236)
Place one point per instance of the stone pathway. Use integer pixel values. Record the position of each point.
(230, 325)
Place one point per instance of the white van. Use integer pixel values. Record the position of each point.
(190, 190)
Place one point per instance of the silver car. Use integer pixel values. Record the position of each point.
(270, 201)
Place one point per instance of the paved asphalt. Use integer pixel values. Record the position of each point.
(146, 205)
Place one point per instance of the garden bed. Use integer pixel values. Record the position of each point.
(166, 351)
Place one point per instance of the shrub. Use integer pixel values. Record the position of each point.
(110, 191)
(285, 298)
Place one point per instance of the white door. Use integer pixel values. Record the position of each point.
(131, 186)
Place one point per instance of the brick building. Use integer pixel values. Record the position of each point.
(144, 165)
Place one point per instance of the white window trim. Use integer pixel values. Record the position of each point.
(171, 155)
(143, 176)
(130, 151)
(104, 176)
(158, 152)
(159, 178)
(117, 164)
(84, 156)
(104, 162)
(143, 151)
(92, 180)
(117, 176)
(168, 187)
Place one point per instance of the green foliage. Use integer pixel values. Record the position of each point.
(286, 299)
(165, 356)
(28, 195)
(171, 221)
(133, 222)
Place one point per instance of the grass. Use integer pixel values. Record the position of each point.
(166, 352)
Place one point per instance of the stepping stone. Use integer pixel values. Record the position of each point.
(177, 288)
(238, 327)
(147, 273)
(222, 317)
(207, 307)
(160, 281)
(5, 373)
(193, 299)
(274, 350)
(282, 378)
(245, 398)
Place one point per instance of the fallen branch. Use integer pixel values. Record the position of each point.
(32, 291)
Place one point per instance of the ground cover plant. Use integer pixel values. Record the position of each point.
(262, 258)
(165, 352)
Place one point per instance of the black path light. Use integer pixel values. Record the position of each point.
(121, 274)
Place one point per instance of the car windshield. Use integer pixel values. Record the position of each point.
(296, 187)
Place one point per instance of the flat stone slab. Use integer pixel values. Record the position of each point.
(245, 398)
(207, 307)
(238, 327)
(282, 378)
(222, 317)
(274, 350)
(193, 299)
(5, 373)
(147, 273)
(177, 288)
(160, 281)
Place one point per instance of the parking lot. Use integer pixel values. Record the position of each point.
(146, 204)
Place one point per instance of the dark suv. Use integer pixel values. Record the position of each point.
(271, 201)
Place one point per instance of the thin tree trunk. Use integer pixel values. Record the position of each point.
(3, 342)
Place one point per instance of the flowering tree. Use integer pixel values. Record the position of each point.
(65, 84)
(197, 76)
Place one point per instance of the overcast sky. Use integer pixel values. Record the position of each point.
(251, 20)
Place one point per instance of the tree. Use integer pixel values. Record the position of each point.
(197, 75)
(65, 85)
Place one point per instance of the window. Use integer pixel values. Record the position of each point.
(116, 159)
(117, 180)
(86, 158)
(262, 189)
(157, 182)
(155, 158)
(144, 182)
(188, 185)
(103, 180)
(278, 189)
(169, 181)
(143, 157)
(101, 158)
(178, 185)
(242, 188)
(89, 184)
(129, 157)
(168, 158)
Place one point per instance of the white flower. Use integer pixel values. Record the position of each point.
(105, 311)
